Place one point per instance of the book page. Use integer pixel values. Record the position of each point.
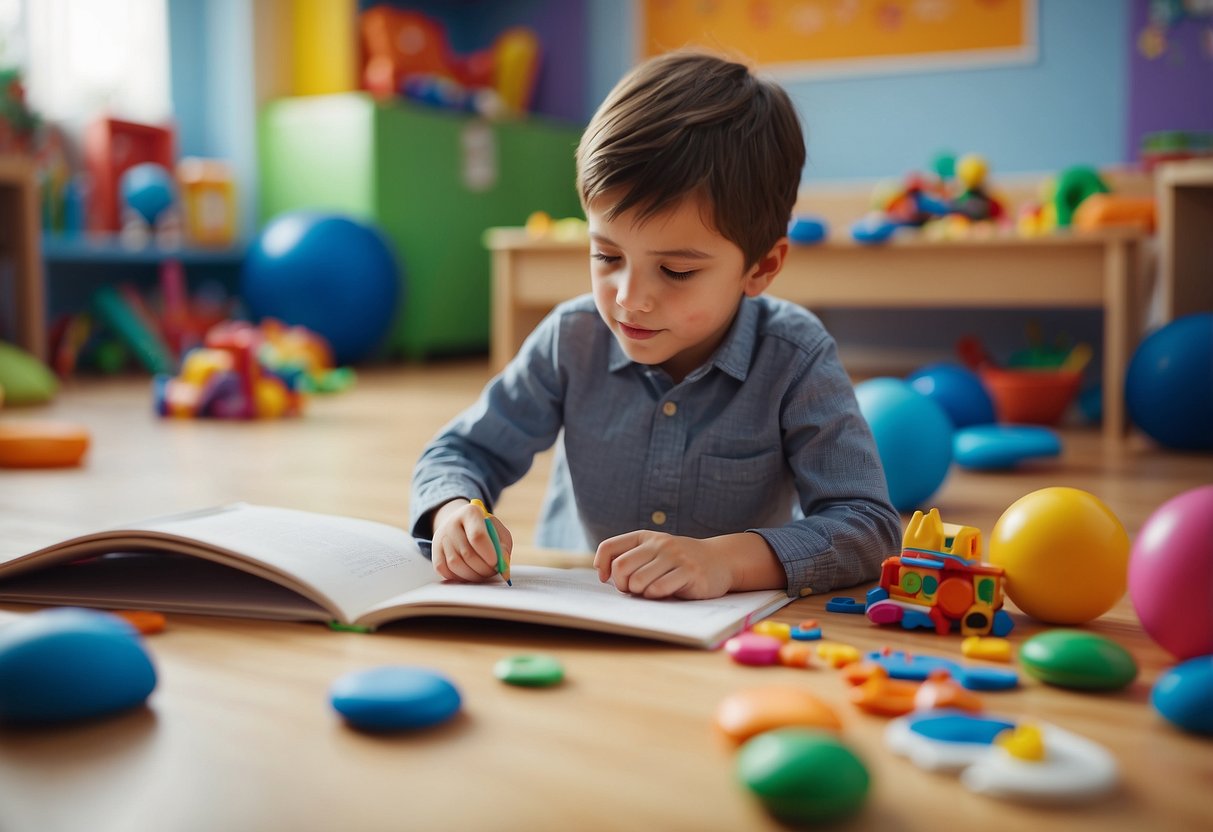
(344, 563)
(575, 597)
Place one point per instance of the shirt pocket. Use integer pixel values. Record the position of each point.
(733, 495)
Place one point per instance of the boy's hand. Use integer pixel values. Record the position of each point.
(462, 549)
(660, 565)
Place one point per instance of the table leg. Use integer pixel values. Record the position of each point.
(503, 334)
(1120, 333)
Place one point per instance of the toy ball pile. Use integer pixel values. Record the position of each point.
(250, 372)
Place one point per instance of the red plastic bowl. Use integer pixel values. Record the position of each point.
(1037, 397)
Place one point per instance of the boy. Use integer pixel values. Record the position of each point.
(709, 439)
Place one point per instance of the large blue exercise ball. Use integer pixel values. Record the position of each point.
(147, 189)
(956, 389)
(913, 436)
(1169, 385)
(329, 273)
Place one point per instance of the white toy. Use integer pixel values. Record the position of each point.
(998, 757)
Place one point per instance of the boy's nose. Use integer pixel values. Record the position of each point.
(631, 293)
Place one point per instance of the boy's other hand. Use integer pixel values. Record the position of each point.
(659, 565)
(462, 549)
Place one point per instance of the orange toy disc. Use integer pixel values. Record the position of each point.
(41, 444)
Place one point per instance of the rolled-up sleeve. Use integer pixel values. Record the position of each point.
(849, 526)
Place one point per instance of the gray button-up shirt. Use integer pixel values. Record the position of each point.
(765, 437)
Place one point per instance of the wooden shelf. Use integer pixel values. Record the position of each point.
(19, 225)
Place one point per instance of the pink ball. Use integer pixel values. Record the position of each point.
(1171, 574)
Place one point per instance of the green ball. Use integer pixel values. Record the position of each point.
(1077, 659)
(944, 164)
(803, 776)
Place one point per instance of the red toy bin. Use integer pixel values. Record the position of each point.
(111, 146)
(1038, 397)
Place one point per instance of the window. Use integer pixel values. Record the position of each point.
(85, 57)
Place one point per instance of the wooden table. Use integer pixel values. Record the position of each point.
(238, 734)
(19, 232)
(1097, 271)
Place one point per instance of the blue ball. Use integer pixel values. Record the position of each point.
(334, 275)
(913, 436)
(394, 698)
(148, 189)
(1169, 385)
(69, 664)
(958, 391)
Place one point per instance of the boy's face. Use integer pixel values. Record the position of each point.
(668, 288)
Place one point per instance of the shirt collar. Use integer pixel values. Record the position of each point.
(732, 356)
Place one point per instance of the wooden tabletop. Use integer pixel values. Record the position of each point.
(239, 735)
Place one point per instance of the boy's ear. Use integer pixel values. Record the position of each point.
(764, 271)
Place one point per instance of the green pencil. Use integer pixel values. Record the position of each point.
(503, 567)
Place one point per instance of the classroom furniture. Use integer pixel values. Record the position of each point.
(433, 180)
(1185, 245)
(1097, 271)
(239, 735)
(78, 265)
(19, 228)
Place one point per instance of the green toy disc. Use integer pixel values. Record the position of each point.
(531, 671)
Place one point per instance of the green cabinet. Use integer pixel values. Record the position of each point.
(433, 181)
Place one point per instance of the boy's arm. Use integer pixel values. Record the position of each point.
(491, 445)
(849, 526)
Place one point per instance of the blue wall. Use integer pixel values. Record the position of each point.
(1068, 107)
(211, 54)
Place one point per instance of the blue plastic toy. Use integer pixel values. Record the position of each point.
(1169, 385)
(148, 190)
(63, 665)
(999, 447)
(872, 230)
(913, 436)
(335, 276)
(1184, 695)
(846, 605)
(806, 230)
(916, 668)
(394, 698)
(957, 390)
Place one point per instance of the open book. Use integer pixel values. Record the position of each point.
(261, 562)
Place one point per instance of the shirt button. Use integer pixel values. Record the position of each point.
(659, 518)
(669, 408)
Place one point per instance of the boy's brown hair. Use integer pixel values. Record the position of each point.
(686, 122)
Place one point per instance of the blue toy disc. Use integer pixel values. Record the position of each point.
(394, 698)
(998, 447)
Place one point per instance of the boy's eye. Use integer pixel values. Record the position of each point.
(677, 275)
(605, 258)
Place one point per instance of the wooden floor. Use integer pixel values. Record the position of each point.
(353, 454)
(244, 765)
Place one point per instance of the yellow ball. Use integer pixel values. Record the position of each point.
(1066, 555)
(971, 170)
